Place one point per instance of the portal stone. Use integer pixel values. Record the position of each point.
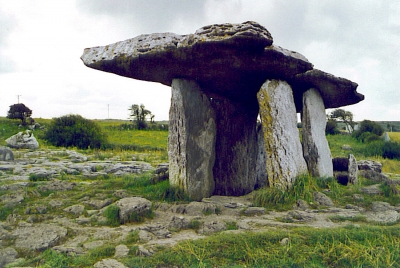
(191, 140)
(315, 146)
(284, 153)
(261, 168)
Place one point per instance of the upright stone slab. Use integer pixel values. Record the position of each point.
(236, 146)
(261, 168)
(191, 140)
(284, 153)
(315, 146)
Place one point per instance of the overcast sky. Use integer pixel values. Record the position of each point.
(41, 42)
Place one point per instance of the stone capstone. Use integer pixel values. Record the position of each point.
(191, 140)
(315, 146)
(282, 143)
(23, 140)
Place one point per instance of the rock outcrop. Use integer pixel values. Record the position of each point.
(224, 67)
(23, 140)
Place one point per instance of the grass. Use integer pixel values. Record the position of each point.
(394, 136)
(308, 247)
(362, 246)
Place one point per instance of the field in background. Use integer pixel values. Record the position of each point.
(394, 136)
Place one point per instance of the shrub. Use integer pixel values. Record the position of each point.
(370, 127)
(391, 150)
(74, 130)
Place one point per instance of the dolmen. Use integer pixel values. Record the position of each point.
(224, 79)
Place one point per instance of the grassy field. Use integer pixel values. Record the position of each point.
(394, 136)
(356, 245)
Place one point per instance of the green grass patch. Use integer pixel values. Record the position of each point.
(307, 247)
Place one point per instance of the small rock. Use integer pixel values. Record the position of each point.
(372, 189)
(252, 211)
(70, 251)
(83, 220)
(370, 165)
(346, 147)
(109, 263)
(55, 203)
(299, 216)
(93, 244)
(284, 241)
(7, 255)
(301, 205)
(131, 205)
(142, 251)
(379, 206)
(75, 209)
(212, 226)
(121, 251)
(358, 197)
(6, 154)
(199, 209)
(323, 200)
(178, 223)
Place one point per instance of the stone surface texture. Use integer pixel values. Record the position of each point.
(353, 169)
(6, 154)
(129, 205)
(228, 59)
(315, 146)
(23, 140)
(282, 143)
(191, 140)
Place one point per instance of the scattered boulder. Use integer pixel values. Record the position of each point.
(323, 200)
(161, 173)
(369, 165)
(57, 185)
(23, 140)
(109, 263)
(199, 209)
(39, 237)
(212, 226)
(6, 154)
(372, 189)
(7, 255)
(75, 209)
(299, 216)
(132, 205)
(252, 211)
(121, 251)
(178, 223)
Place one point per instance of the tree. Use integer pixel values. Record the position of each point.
(139, 114)
(344, 116)
(331, 127)
(19, 111)
(368, 131)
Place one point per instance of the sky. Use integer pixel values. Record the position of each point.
(41, 42)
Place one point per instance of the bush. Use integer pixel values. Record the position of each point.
(373, 129)
(74, 130)
(391, 150)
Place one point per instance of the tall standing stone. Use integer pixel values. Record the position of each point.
(261, 168)
(315, 146)
(191, 140)
(284, 153)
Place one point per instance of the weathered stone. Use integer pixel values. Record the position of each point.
(6, 154)
(282, 143)
(315, 146)
(109, 263)
(7, 255)
(75, 209)
(191, 140)
(251, 211)
(379, 206)
(178, 223)
(375, 176)
(129, 205)
(57, 185)
(386, 137)
(369, 165)
(158, 230)
(384, 217)
(323, 200)
(121, 251)
(199, 209)
(212, 226)
(261, 162)
(93, 244)
(353, 169)
(39, 237)
(301, 205)
(372, 189)
(23, 140)
(299, 216)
